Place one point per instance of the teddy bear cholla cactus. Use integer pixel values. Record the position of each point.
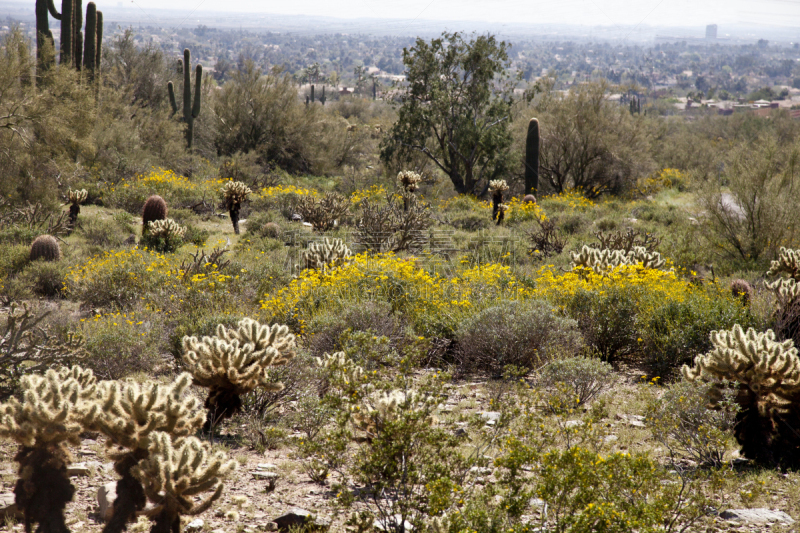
(788, 262)
(236, 361)
(55, 409)
(603, 261)
(768, 376)
(235, 192)
(409, 180)
(323, 213)
(174, 472)
(374, 415)
(167, 228)
(76, 198)
(130, 413)
(325, 255)
(497, 188)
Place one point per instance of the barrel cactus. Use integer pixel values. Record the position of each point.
(271, 230)
(236, 361)
(766, 373)
(235, 192)
(742, 291)
(45, 247)
(155, 208)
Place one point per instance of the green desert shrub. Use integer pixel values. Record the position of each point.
(682, 420)
(44, 278)
(583, 378)
(103, 233)
(121, 344)
(524, 334)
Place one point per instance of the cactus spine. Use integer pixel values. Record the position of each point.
(532, 158)
(190, 111)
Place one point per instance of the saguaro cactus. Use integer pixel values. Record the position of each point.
(532, 158)
(190, 110)
(43, 32)
(94, 35)
(322, 98)
(312, 94)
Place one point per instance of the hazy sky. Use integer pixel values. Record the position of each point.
(586, 12)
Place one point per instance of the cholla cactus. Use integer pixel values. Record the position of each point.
(235, 193)
(497, 188)
(501, 212)
(236, 361)
(788, 262)
(325, 255)
(786, 289)
(341, 367)
(409, 180)
(167, 228)
(323, 213)
(768, 374)
(129, 415)
(77, 197)
(174, 472)
(56, 408)
(605, 260)
(373, 415)
(439, 524)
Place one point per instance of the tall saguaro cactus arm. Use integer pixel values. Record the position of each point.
(90, 50)
(532, 158)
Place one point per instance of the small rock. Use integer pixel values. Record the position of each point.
(258, 474)
(632, 420)
(301, 517)
(78, 469)
(217, 531)
(271, 526)
(195, 525)
(537, 503)
(573, 423)
(491, 417)
(297, 217)
(610, 438)
(460, 432)
(266, 466)
(8, 509)
(106, 496)
(392, 524)
(756, 516)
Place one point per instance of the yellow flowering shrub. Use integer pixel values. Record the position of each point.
(569, 200)
(663, 179)
(519, 211)
(177, 190)
(124, 277)
(376, 192)
(433, 304)
(654, 315)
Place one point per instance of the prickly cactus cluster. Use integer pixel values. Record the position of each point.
(168, 229)
(787, 293)
(409, 180)
(605, 260)
(768, 376)
(77, 197)
(236, 361)
(496, 186)
(235, 192)
(788, 262)
(326, 254)
(45, 247)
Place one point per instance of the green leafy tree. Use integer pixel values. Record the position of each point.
(455, 108)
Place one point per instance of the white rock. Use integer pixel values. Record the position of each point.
(195, 525)
(106, 496)
(573, 423)
(756, 516)
(78, 469)
(8, 508)
(266, 466)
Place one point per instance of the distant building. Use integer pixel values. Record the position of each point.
(711, 31)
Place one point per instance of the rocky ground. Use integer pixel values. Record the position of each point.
(270, 491)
